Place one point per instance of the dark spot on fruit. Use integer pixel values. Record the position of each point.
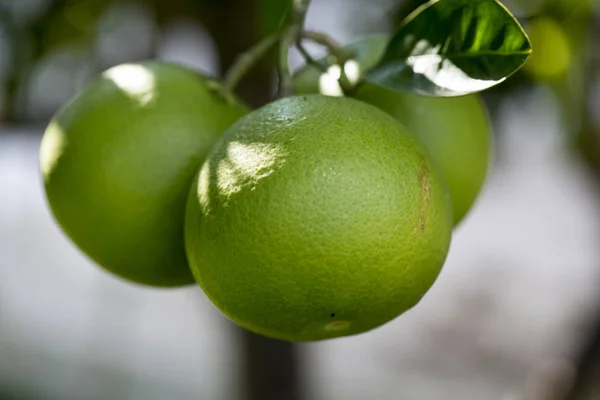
(332, 315)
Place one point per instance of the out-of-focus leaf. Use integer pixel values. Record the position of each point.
(73, 23)
(273, 12)
(452, 48)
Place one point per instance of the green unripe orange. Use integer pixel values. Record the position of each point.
(455, 131)
(316, 217)
(118, 161)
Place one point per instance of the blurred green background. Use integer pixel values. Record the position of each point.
(515, 314)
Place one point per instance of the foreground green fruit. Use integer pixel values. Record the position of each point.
(118, 162)
(455, 131)
(317, 217)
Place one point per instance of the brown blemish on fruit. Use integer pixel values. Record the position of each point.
(337, 326)
(425, 194)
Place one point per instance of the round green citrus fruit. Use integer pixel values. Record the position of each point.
(455, 131)
(118, 161)
(316, 217)
(552, 57)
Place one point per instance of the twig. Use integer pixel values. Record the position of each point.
(308, 58)
(342, 55)
(290, 35)
(244, 62)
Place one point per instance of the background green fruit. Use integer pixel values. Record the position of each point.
(455, 131)
(553, 55)
(118, 162)
(316, 217)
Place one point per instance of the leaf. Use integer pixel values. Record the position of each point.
(449, 48)
(272, 14)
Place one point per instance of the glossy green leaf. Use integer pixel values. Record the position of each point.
(452, 48)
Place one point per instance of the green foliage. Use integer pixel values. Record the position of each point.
(272, 14)
(75, 23)
(451, 48)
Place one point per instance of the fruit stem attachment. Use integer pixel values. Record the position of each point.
(290, 35)
(244, 62)
(339, 54)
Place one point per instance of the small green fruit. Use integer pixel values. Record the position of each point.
(316, 217)
(118, 162)
(553, 55)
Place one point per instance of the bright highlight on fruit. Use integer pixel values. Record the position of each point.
(118, 162)
(136, 81)
(317, 217)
